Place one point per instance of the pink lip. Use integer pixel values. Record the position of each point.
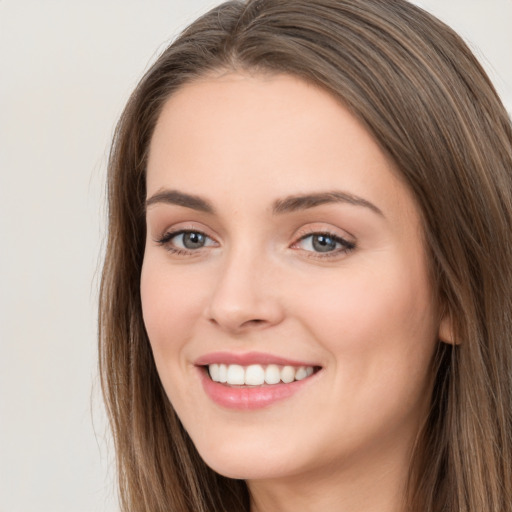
(246, 359)
(247, 397)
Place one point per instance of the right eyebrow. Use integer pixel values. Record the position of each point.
(180, 199)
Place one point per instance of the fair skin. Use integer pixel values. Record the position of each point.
(336, 282)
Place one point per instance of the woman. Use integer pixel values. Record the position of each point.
(306, 294)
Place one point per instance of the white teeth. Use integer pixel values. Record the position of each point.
(256, 374)
(236, 375)
(272, 374)
(223, 373)
(301, 373)
(214, 372)
(288, 374)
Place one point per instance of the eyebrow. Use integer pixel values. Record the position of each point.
(306, 201)
(280, 206)
(180, 199)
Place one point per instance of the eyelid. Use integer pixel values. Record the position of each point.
(180, 227)
(168, 234)
(321, 228)
(347, 243)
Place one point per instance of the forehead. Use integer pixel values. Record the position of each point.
(267, 136)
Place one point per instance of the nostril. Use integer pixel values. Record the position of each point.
(256, 321)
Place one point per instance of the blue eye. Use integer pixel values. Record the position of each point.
(324, 243)
(190, 240)
(185, 240)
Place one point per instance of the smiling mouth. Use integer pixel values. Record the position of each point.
(258, 375)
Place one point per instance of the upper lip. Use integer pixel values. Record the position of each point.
(248, 358)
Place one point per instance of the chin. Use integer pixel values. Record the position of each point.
(253, 464)
(246, 470)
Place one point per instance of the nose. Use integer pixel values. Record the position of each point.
(245, 296)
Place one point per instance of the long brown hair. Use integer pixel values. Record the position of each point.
(424, 97)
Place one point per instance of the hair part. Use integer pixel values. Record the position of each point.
(427, 101)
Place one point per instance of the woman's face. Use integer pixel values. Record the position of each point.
(282, 251)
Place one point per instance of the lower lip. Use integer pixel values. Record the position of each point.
(247, 397)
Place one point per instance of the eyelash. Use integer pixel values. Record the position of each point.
(166, 239)
(346, 246)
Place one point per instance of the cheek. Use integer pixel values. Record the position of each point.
(379, 332)
(171, 305)
(171, 308)
(362, 315)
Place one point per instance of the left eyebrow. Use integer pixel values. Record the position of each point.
(306, 201)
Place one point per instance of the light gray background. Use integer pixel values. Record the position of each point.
(66, 69)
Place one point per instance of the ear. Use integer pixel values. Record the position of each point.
(446, 334)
